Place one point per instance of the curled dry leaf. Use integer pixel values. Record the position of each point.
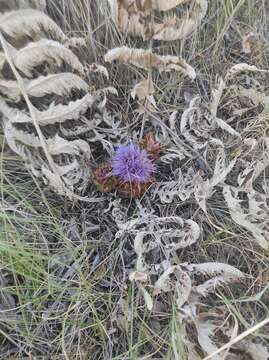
(168, 233)
(252, 43)
(182, 188)
(174, 28)
(145, 59)
(22, 25)
(132, 18)
(204, 188)
(31, 4)
(138, 276)
(176, 280)
(56, 145)
(96, 68)
(242, 67)
(254, 218)
(49, 51)
(24, 4)
(220, 274)
(256, 351)
(53, 115)
(60, 84)
(215, 268)
(205, 333)
(143, 89)
(198, 121)
(256, 167)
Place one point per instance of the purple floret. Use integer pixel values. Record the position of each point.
(130, 163)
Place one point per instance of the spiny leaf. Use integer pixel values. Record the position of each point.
(54, 114)
(60, 84)
(133, 18)
(174, 28)
(145, 59)
(255, 218)
(22, 25)
(49, 51)
(176, 280)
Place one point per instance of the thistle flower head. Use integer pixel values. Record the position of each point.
(132, 164)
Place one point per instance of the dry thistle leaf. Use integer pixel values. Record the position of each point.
(252, 43)
(174, 28)
(23, 4)
(138, 276)
(219, 274)
(255, 218)
(145, 59)
(238, 68)
(205, 332)
(176, 280)
(96, 68)
(60, 84)
(54, 114)
(204, 189)
(164, 5)
(22, 25)
(133, 18)
(49, 51)
(75, 42)
(256, 351)
(143, 89)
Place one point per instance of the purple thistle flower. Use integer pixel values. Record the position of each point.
(130, 163)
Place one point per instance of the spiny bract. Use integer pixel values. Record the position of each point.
(132, 164)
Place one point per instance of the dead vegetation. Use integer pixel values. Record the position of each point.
(179, 273)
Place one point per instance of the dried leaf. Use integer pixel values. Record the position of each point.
(55, 182)
(31, 4)
(24, 4)
(254, 218)
(96, 68)
(256, 351)
(138, 276)
(174, 28)
(182, 188)
(56, 145)
(132, 18)
(169, 233)
(60, 84)
(49, 51)
(54, 114)
(252, 43)
(242, 67)
(75, 42)
(222, 274)
(204, 188)
(205, 331)
(255, 168)
(22, 25)
(176, 280)
(143, 89)
(145, 59)
(214, 268)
